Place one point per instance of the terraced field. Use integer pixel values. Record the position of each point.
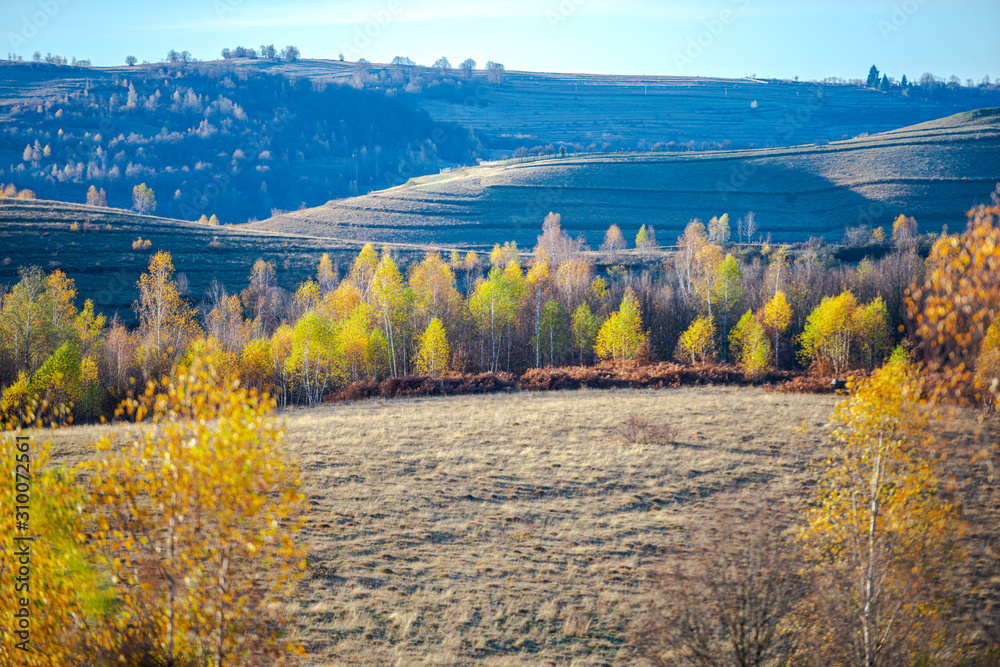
(100, 258)
(533, 108)
(932, 171)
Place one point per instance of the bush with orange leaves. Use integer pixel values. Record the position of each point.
(196, 517)
(950, 314)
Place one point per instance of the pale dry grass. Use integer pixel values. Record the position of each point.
(517, 529)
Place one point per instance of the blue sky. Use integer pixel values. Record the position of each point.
(777, 38)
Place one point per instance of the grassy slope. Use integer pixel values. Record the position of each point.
(519, 529)
(538, 107)
(106, 268)
(932, 171)
(535, 108)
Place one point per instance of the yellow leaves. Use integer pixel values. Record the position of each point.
(777, 313)
(211, 475)
(877, 516)
(698, 342)
(434, 355)
(621, 336)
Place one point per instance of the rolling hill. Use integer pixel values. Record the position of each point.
(98, 255)
(933, 171)
(535, 109)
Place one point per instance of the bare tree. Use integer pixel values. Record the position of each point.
(468, 66)
(729, 599)
(614, 242)
(554, 244)
(748, 227)
(443, 65)
(496, 73)
(857, 236)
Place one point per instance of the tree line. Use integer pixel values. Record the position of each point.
(758, 307)
(179, 543)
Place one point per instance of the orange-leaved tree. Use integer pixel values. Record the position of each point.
(950, 314)
(196, 517)
(880, 533)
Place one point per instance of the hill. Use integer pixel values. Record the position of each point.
(98, 254)
(209, 138)
(240, 138)
(539, 111)
(927, 171)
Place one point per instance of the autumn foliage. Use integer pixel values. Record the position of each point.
(953, 310)
(196, 515)
(882, 536)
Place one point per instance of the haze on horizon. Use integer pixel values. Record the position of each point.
(725, 38)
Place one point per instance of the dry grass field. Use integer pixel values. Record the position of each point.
(520, 529)
(934, 172)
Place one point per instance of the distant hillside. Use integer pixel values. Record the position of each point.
(98, 255)
(239, 138)
(535, 111)
(796, 193)
(210, 138)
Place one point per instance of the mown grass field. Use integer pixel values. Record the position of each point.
(521, 529)
(933, 172)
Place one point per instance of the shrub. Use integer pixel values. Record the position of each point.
(637, 430)
(727, 599)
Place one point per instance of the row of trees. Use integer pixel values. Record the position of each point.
(445, 313)
(268, 52)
